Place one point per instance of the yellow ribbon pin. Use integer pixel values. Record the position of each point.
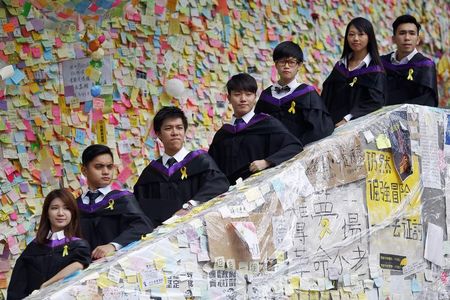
(410, 73)
(111, 204)
(183, 171)
(353, 81)
(65, 251)
(325, 223)
(292, 109)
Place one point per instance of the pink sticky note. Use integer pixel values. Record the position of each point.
(159, 10)
(21, 229)
(13, 216)
(274, 74)
(124, 175)
(31, 137)
(26, 48)
(97, 115)
(58, 42)
(116, 186)
(36, 52)
(12, 241)
(113, 120)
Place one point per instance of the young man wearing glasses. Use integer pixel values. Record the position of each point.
(297, 105)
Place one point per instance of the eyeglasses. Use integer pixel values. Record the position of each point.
(289, 62)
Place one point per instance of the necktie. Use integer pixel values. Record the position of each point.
(281, 89)
(239, 121)
(92, 196)
(171, 161)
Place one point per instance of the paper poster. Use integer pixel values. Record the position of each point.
(401, 146)
(77, 84)
(385, 192)
(429, 150)
(330, 233)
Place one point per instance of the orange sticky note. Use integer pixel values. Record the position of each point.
(8, 27)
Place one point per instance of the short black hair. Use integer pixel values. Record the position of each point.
(287, 49)
(405, 19)
(92, 151)
(168, 112)
(242, 82)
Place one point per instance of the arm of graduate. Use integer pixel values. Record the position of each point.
(212, 183)
(73, 267)
(319, 125)
(282, 144)
(428, 97)
(134, 222)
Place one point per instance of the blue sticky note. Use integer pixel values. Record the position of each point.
(17, 77)
(415, 286)
(21, 148)
(88, 106)
(80, 136)
(48, 55)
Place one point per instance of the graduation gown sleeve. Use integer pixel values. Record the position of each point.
(133, 222)
(213, 181)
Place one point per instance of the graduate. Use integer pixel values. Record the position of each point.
(56, 252)
(110, 219)
(357, 83)
(252, 141)
(297, 105)
(411, 77)
(179, 179)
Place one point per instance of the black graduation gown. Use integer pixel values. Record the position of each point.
(264, 137)
(414, 82)
(303, 113)
(117, 218)
(162, 191)
(38, 263)
(358, 92)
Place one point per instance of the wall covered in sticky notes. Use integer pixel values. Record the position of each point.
(48, 113)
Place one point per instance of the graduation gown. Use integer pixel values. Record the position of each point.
(162, 191)
(358, 92)
(303, 113)
(117, 218)
(264, 137)
(414, 82)
(38, 263)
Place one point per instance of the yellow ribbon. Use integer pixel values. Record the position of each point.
(354, 81)
(410, 73)
(325, 223)
(65, 250)
(292, 109)
(111, 204)
(183, 171)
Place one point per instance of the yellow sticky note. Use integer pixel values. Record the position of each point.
(159, 263)
(295, 282)
(34, 87)
(383, 141)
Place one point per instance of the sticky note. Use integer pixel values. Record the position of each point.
(383, 141)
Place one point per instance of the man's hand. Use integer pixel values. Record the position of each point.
(102, 251)
(259, 165)
(342, 122)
